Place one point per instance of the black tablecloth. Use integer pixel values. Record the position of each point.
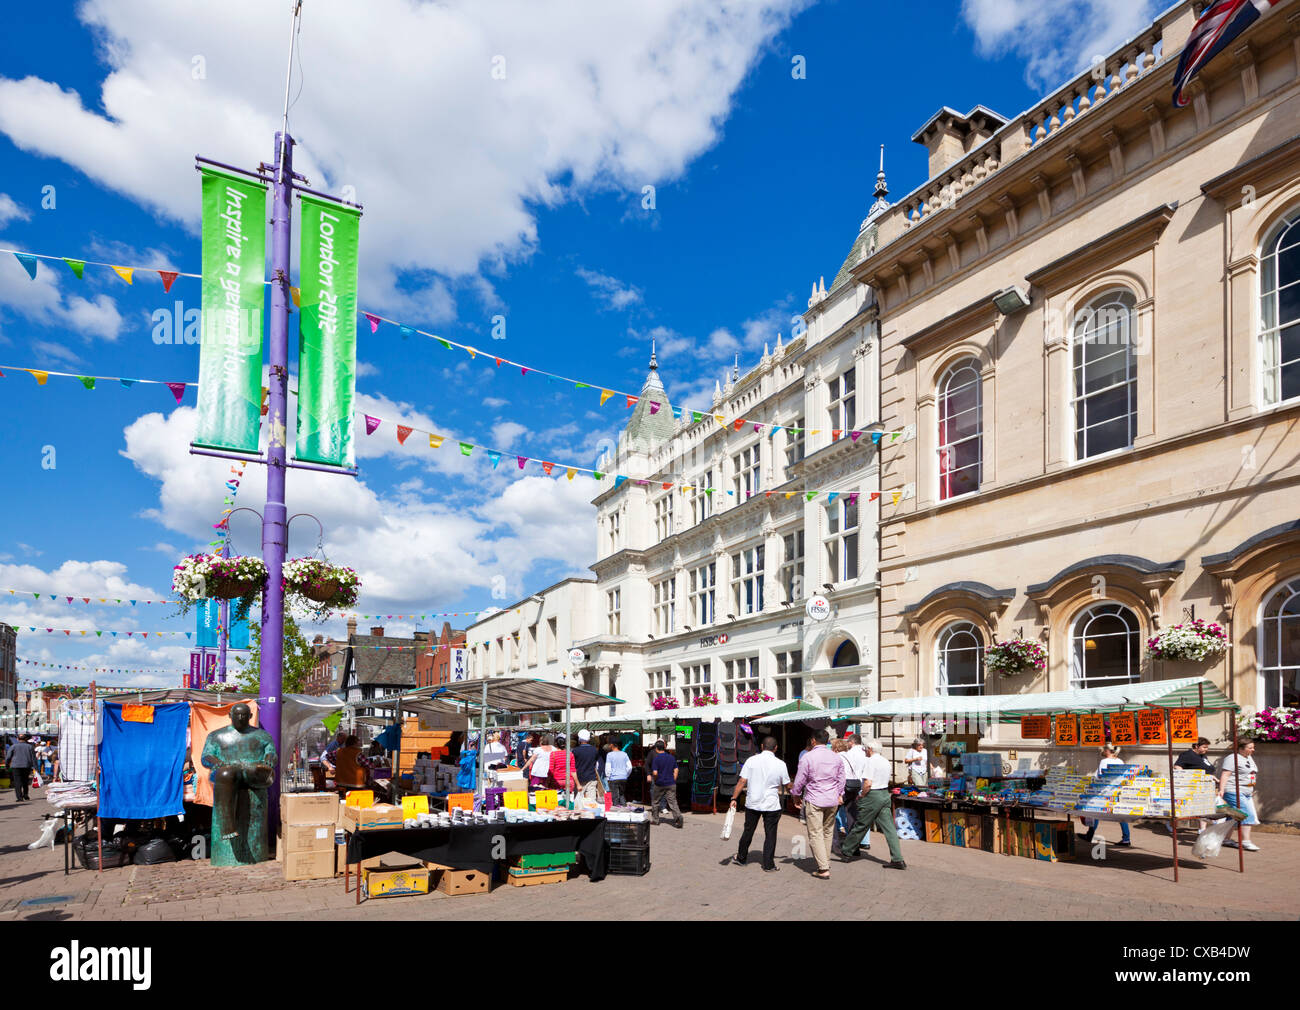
(471, 847)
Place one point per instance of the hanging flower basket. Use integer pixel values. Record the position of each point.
(329, 587)
(1270, 725)
(211, 576)
(1193, 640)
(750, 697)
(659, 704)
(1014, 657)
(704, 699)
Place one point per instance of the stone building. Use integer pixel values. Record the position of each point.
(1090, 314)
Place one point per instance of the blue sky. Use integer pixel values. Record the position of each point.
(519, 197)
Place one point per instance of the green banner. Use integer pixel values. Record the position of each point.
(234, 291)
(327, 332)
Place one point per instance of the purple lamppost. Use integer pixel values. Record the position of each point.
(275, 528)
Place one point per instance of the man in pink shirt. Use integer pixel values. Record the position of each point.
(820, 783)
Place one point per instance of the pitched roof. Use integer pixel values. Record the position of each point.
(380, 666)
(647, 430)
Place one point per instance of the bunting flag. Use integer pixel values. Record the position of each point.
(873, 496)
(522, 461)
(494, 458)
(87, 380)
(371, 424)
(373, 321)
(125, 273)
(632, 401)
(78, 267)
(69, 632)
(547, 467)
(605, 394)
(896, 495)
(295, 295)
(402, 432)
(29, 263)
(42, 375)
(466, 448)
(435, 441)
(84, 599)
(168, 278)
(654, 407)
(569, 472)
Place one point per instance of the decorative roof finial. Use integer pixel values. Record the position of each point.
(654, 363)
(881, 188)
(735, 370)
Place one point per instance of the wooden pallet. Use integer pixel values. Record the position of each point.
(529, 879)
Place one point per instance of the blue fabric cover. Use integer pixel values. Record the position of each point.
(390, 738)
(140, 763)
(467, 777)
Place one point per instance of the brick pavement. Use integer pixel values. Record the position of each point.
(691, 878)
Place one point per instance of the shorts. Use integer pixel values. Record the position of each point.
(1247, 804)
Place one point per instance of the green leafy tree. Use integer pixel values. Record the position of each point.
(298, 659)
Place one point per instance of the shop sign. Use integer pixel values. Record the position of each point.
(818, 608)
(1182, 721)
(1067, 731)
(1151, 725)
(790, 624)
(1036, 727)
(1092, 730)
(1123, 729)
(711, 640)
(576, 656)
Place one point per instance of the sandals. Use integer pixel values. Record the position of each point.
(823, 876)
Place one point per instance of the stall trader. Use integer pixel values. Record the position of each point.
(351, 766)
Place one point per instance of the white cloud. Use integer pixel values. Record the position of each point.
(599, 95)
(42, 301)
(11, 211)
(504, 434)
(47, 350)
(610, 291)
(494, 402)
(1056, 40)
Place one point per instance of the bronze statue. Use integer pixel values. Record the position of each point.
(242, 759)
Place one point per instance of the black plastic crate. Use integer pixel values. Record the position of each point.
(627, 832)
(627, 860)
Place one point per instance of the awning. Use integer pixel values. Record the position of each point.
(1187, 692)
(504, 694)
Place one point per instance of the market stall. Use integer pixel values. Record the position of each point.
(1149, 713)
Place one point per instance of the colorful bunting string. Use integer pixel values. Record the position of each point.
(78, 266)
(77, 598)
(101, 632)
(88, 669)
(42, 375)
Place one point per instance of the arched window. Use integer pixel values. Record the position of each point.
(846, 655)
(1279, 310)
(1104, 396)
(1279, 646)
(1105, 647)
(960, 663)
(961, 429)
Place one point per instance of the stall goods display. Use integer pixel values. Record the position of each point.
(1128, 790)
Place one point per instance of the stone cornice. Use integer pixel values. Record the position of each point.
(1277, 164)
(1135, 236)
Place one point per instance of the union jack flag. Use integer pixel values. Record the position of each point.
(1222, 22)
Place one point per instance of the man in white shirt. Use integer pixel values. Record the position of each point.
(874, 810)
(915, 761)
(762, 779)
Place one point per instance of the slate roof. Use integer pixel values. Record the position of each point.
(647, 431)
(379, 666)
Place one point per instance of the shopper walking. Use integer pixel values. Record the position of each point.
(762, 779)
(585, 757)
(854, 759)
(1195, 759)
(538, 765)
(1110, 756)
(564, 772)
(21, 759)
(819, 786)
(875, 810)
(1237, 774)
(663, 778)
(618, 766)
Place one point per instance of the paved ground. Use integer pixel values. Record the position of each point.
(691, 878)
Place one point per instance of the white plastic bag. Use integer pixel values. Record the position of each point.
(726, 824)
(1210, 841)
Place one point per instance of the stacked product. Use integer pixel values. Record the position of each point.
(704, 782)
(627, 845)
(307, 847)
(545, 868)
(728, 757)
(981, 765)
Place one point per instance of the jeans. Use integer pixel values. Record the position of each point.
(22, 783)
(1092, 830)
(617, 788)
(771, 819)
(1246, 805)
(874, 810)
(821, 832)
(665, 794)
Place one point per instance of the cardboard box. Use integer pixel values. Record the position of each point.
(453, 882)
(933, 826)
(381, 815)
(307, 808)
(378, 882)
(307, 837)
(309, 865)
(341, 861)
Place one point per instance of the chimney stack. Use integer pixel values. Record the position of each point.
(377, 632)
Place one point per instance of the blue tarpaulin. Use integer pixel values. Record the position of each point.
(140, 763)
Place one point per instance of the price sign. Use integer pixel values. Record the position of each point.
(1123, 729)
(1067, 731)
(1151, 725)
(137, 713)
(1092, 730)
(1182, 721)
(1036, 727)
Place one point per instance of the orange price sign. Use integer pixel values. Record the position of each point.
(1067, 731)
(1183, 723)
(1151, 725)
(137, 713)
(1092, 730)
(1123, 729)
(1036, 727)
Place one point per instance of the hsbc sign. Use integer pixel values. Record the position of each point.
(711, 640)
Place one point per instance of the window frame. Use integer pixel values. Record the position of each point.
(701, 499)
(703, 592)
(741, 673)
(1271, 287)
(837, 535)
(665, 605)
(664, 517)
(945, 392)
(792, 565)
(614, 611)
(1290, 587)
(1079, 638)
(748, 570)
(943, 647)
(842, 401)
(795, 441)
(1079, 372)
(746, 471)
